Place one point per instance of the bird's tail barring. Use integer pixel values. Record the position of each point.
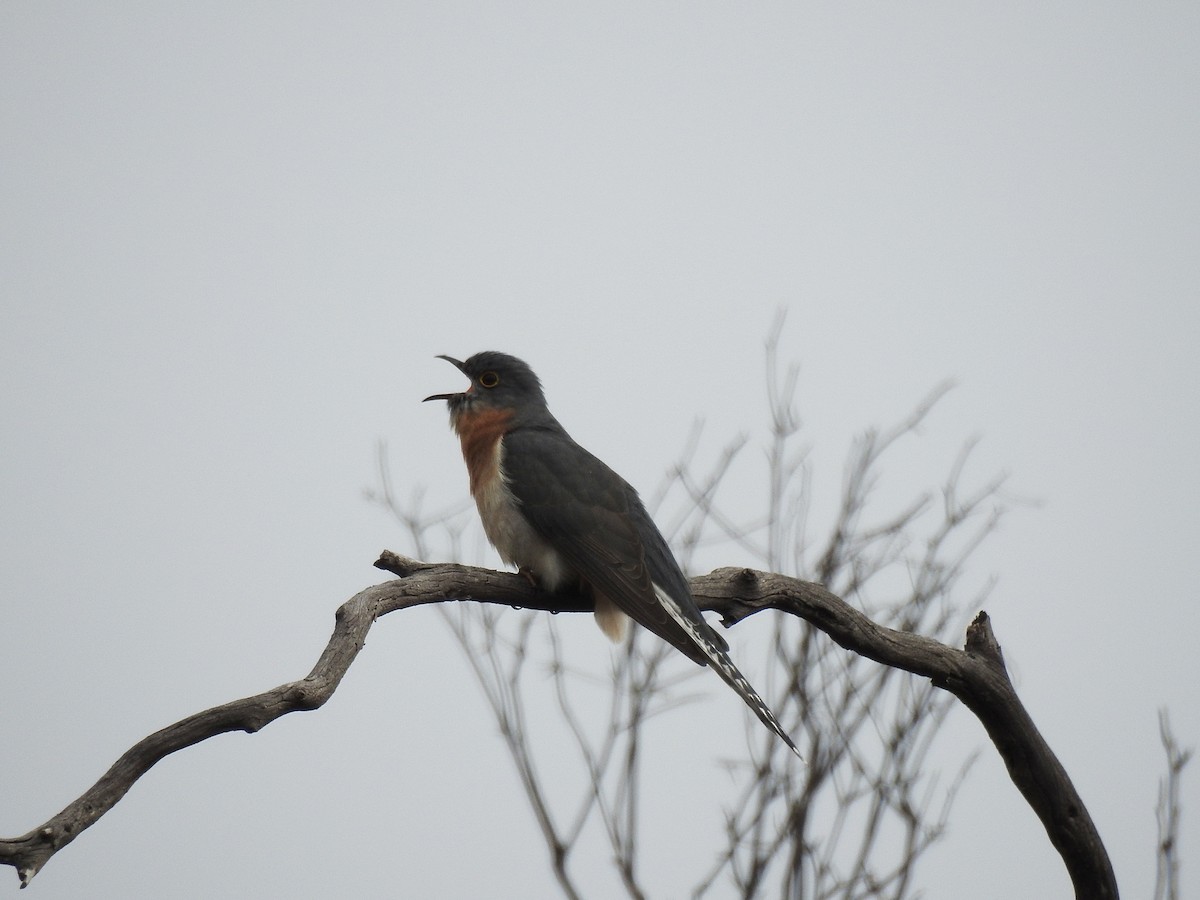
(724, 667)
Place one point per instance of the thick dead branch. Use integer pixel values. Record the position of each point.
(976, 675)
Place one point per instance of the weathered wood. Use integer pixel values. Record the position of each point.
(975, 674)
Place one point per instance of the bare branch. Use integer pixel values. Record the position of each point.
(1166, 882)
(976, 675)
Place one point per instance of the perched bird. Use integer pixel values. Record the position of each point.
(570, 522)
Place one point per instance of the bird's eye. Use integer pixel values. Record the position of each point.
(489, 379)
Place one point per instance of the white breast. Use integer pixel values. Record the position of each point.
(517, 543)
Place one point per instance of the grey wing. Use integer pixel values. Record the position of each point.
(594, 519)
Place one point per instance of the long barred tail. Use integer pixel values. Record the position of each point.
(720, 662)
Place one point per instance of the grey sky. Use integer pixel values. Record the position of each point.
(234, 237)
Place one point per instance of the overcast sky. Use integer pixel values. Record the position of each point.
(235, 236)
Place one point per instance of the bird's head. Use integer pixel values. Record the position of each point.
(498, 382)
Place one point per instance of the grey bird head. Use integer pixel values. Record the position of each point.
(498, 382)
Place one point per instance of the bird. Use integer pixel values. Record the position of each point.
(570, 523)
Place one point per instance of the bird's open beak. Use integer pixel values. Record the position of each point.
(458, 364)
